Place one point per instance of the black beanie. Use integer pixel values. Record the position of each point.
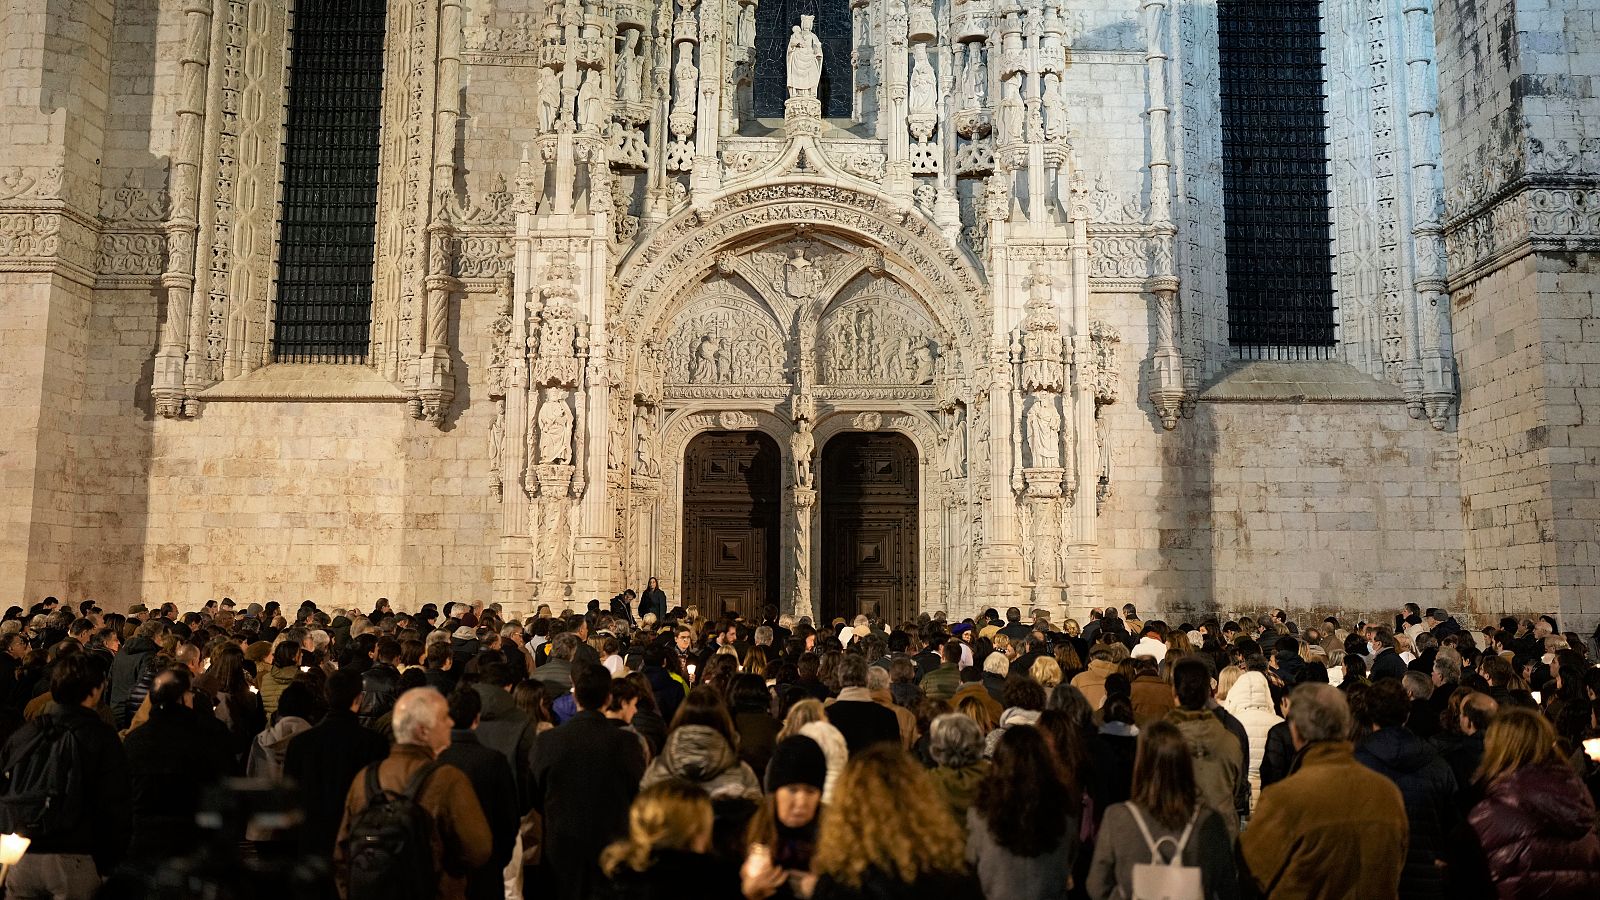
(796, 760)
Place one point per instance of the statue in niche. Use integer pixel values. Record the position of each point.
(617, 445)
(805, 60)
(919, 356)
(924, 87)
(707, 363)
(630, 69)
(744, 31)
(801, 279)
(1011, 111)
(555, 431)
(497, 442)
(644, 446)
(803, 446)
(1055, 108)
(954, 461)
(549, 99)
(1043, 424)
(970, 87)
(591, 102)
(685, 74)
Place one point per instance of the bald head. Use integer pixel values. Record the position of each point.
(421, 716)
(1476, 711)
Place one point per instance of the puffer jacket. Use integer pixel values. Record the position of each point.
(700, 756)
(272, 686)
(1428, 787)
(1537, 830)
(127, 669)
(1250, 701)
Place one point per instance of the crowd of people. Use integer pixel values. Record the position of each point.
(634, 750)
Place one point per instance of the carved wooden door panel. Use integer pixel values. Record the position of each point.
(731, 507)
(869, 527)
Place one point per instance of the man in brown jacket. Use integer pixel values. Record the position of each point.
(461, 840)
(1092, 681)
(1301, 845)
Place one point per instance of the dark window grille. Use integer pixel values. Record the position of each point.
(330, 182)
(833, 26)
(1275, 177)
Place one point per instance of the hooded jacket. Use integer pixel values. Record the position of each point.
(503, 726)
(266, 754)
(272, 685)
(1428, 787)
(1218, 761)
(1536, 827)
(1250, 701)
(700, 756)
(1152, 698)
(958, 788)
(1092, 681)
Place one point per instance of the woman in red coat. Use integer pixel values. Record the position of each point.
(1535, 826)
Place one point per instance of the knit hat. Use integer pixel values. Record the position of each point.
(796, 760)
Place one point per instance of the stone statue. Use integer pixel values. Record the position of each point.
(803, 445)
(591, 101)
(744, 31)
(954, 462)
(1044, 432)
(805, 60)
(969, 93)
(616, 446)
(1011, 111)
(685, 74)
(707, 361)
(630, 69)
(497, 442)
(921, 354)
(644, 447)
(1055, 108)
(924, 86)
(555, 431)
(549, 99)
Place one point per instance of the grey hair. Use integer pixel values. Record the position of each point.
(415, 710)
(1418, 685)
(1447, 664)
(763, 635)
(1319, 712)
(877, 678)
(996, 664)
(955, 741)
(852, 671)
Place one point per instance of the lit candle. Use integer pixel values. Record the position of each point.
(12, 846)
(1592, 748)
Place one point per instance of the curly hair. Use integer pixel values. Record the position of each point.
(894, 823)
(1023, 801)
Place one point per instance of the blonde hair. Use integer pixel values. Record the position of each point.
(1516, 739)
(671, 815)
(1226, 679)
(894, 822)
(975, 709)
(1046, 671)
(800, 715)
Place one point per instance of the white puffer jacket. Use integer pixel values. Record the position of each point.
(1250, 701)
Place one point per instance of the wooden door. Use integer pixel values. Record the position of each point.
(869, 527)
(731, 506)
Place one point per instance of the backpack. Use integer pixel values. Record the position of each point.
(390, 848)
(1168, 879)
(42, 785)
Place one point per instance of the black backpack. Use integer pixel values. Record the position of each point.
(390, 847)
(42, 794)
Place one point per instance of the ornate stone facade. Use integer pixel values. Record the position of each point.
(590, 249)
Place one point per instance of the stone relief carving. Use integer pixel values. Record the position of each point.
(554, 434)
(866, 342)
(735, 344)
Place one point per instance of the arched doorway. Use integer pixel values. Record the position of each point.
(731, 505)
(869, 527)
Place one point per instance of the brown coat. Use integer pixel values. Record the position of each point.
(1092, 681)
(1334, 830)
(461, 838)
(1152, 699)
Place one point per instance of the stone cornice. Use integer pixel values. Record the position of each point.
(1532, 213)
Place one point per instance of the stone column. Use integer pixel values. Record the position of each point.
(1522, 236)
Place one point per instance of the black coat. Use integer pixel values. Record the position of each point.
(496, 788)
(172, 759)
(875, 885)
(1428, 787)
(1277, 760)
(126, 671)
(758, 735)
(1387, 664)
(671, 875)
(506, 728)
(380, 687)
(585, 775)
(864, 723)
(653, 600)
(104, 828)
(322, 761)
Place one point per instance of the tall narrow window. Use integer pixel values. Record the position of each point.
(1275, 177)
(330, 182)
(775, 20)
